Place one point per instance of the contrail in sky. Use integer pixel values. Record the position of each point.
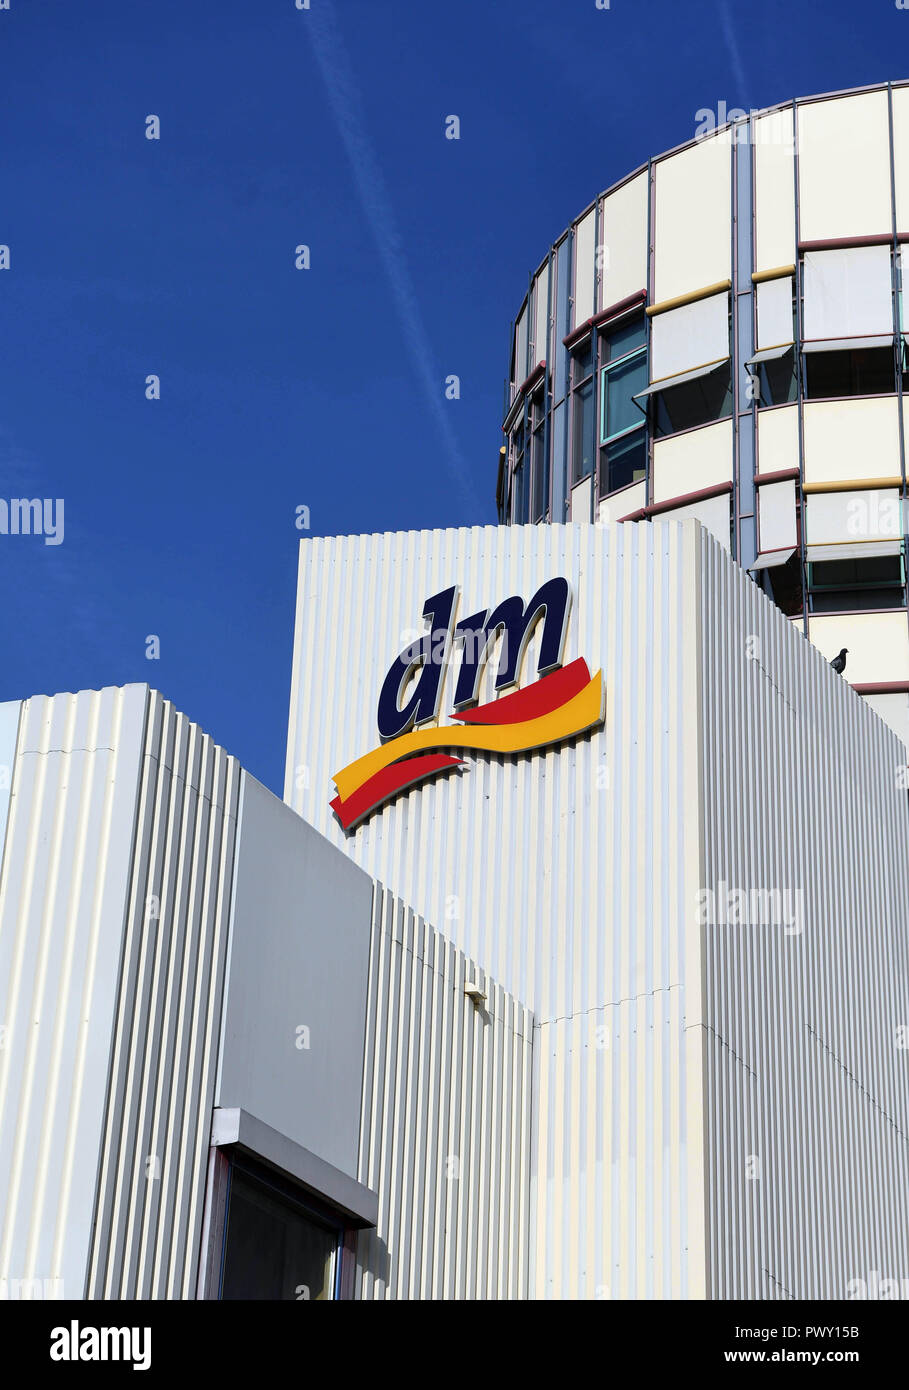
(732, 44)
(346, 107)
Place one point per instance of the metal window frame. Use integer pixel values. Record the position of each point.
(535, 456)
(574, 387)
(759, 361)
(296, 1198)
(859, 584)
(639, 354)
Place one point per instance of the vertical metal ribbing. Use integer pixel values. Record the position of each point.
(124, 1071)
(437, 1142)
(567, 938)
(68, 841)
(154, 1158)
(811, 1014)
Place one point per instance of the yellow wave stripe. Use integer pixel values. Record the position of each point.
(581, 712)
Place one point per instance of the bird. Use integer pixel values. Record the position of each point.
(839, 662)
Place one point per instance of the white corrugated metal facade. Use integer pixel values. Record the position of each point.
(117, 914)
(566, 873)
(153, 1165)
(808, 1067)
(644, 1105)
(445, 1138)
(715, 1112)
(113, 902)
(66, 867)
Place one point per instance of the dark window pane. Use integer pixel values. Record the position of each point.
(625, 339)
(540, 481)
(517, 459)
(855, 600)
(777, 380)
(582, 432)
(621, 383)
(786, 585)
(623, 462)
(520, 494)
(865, 372)
(582, 361)
(846, 574)
(697, 402)
(274, 1248)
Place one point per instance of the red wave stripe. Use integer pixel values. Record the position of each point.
(386, 783)
(542, 697)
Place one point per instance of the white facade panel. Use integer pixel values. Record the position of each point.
(584, 253)
(581, 500)
(776, 516)
(775, 322)
(299, 939)
(523, 860)
(836, 518)
(844, 167)
(541, 318)
(901, 156)
(690, 336)
(520, 349)
(624, 241)
(692, 460)
(850, 439)
(778, 439)
(878, 644)
(622, 504)
(774, 190)
(693, 218)
(848, 293)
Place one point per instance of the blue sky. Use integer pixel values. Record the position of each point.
(283, 388)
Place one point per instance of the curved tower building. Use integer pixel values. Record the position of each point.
(721, 334)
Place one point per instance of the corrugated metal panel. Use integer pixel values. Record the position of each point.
(807, 1077)
(445, 1138)
(9, 736)
(152, 1179)
(62, 899)
(568, 874)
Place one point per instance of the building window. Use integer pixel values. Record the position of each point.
(849, 372)
(623, 427)
(582, 412)
(846, 585)
(277, 1244)
(693, 403)
(777, 381)
(786, 585)
(519, 477)
(539, 469)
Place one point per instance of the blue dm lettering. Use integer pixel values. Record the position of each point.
(516, 620)
(429, 653)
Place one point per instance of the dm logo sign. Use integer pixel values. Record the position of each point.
(562, 702)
